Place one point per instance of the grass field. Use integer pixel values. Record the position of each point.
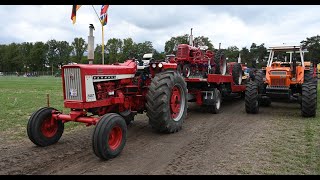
(21, 96)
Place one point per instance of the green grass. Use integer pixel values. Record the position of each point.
(21, 96)
(289, 145)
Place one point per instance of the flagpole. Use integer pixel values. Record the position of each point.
(102, 44)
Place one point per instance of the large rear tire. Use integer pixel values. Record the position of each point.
(309, 99)
(258, 79)
(41, 130)
(237, 73)
(308, 77)
(221, 63)
(109, 136)
(251, 98)
(167, 102)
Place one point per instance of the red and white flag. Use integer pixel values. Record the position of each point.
(104, 14)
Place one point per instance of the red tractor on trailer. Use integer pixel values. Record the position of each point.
(208, 75)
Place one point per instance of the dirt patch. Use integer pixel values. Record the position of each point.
(231, 142)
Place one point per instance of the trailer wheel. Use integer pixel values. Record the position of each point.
(251, 98)
(167, 102)
(186, 70)
(128, 116)
(109, 136)
(237, 73)
(309, 99)
(221, 63)
(180, 69)
(215, 108)
(41, 130)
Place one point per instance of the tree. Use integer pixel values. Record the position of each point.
(64, 51)
(246, 56)
(58, 52)
(25, 55)
(171, 45)
(11, 58)
(38, 54)
(127, 49)
(79, 47)
(98, 55)
(114, 50)
(158, 56)
(142, 48)
(258, 52)
(203, 41)
(2, 60)
(52, 54)
(232, 52)
(312, 44)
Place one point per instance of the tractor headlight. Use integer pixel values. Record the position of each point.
(160, 65)
(154, 65)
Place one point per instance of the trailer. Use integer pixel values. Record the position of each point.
(209, 92)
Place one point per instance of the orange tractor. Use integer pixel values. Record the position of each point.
(292, 80)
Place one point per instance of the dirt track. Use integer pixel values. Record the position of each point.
(207, 144)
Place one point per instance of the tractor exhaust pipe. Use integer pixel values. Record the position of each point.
(191, 39)
(91, 44)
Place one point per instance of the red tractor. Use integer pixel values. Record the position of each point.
(109, 96)
(198, 61)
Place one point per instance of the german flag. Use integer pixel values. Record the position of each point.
(74, 12)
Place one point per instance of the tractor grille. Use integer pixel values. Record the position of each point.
(72, 83)
(182, 52)
(278, 73)
(278, 82)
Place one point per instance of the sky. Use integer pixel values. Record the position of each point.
(238, 25)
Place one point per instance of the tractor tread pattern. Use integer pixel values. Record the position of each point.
(158, 102)
(309, 100)
(251, 98)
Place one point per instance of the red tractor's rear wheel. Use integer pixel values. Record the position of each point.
(237, 73)
(221, 63)
(167, 102)
(42, 129)
(109, 136)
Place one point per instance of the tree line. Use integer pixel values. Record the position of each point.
(40, 56)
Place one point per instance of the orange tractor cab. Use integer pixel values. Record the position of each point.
(282, 79)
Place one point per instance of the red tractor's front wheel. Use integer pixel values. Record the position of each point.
(109, 136)
(42, 129)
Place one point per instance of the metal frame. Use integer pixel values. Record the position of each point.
(287, 49)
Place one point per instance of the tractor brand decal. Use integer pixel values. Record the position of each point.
(103, 77)
(100, 78)
(73, 92)
(91, 97)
